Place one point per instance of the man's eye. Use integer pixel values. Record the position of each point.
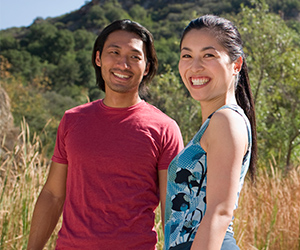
(136, 57)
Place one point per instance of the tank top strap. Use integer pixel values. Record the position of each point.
(204, 126)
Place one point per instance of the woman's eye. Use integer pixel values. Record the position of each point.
(186, 56)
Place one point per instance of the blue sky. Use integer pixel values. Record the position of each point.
(17, 13)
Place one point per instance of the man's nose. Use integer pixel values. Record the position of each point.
(123, 62)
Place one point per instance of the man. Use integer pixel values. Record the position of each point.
(109, 167)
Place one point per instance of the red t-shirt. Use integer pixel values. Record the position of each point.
(113, 157)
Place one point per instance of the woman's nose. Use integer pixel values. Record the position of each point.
(197, 64)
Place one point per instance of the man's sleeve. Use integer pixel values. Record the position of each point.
(172, 145)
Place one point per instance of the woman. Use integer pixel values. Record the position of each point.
(205, 179)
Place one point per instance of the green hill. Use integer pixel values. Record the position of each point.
(46, 67)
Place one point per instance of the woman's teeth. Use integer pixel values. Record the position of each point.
(199, 81)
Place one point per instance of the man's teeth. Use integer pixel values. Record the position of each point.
(121, 76)
(199, 81)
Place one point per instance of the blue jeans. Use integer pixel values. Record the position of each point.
(229, 243)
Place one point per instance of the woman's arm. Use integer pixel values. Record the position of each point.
(225, 142)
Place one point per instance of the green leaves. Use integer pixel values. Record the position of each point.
(55, 55)
(169, 94)
(273, 57)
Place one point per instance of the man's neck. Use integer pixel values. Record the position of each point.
(121, 101)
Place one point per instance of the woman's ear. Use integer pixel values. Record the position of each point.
(238, 65)
(97, 59)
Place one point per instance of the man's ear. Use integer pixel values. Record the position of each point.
(147, 69)
(97, 59)
(238, 65)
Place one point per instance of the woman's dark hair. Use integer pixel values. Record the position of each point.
(146, 37)
(229, 37)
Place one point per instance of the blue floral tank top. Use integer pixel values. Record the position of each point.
(186, 188)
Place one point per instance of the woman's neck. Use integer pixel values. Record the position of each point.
(207, 108)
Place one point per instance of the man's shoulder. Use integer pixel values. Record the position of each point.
(85, 111)
(153, 110)
(83, 108)
(154, 115)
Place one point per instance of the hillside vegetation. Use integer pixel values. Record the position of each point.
(47, 66)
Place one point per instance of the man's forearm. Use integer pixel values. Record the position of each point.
(45, 217)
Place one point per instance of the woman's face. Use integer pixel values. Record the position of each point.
(205, 66)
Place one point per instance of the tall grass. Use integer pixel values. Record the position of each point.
(268, 216)
(22, 175)
(269, 212)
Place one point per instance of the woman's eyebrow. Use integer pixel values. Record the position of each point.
(203, 49)
(186, 48)
(208, 47)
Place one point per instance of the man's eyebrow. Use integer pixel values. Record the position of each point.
(113, 46)
(119, 47)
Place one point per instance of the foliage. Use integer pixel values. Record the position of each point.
(50, 65)
(274, 72)
(169, 95)
(42, 108)
(168, 53)
(27, 102)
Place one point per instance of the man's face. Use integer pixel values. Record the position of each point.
(123, 62)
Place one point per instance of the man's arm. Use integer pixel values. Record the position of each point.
(48, 207)
(162, 178)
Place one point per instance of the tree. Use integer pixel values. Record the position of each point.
(26, 101)
(65, 75)
(168, 53)
(60, 45)
(23, 63)
(8, 42)
(84, 40)
(284, 118)
(114, 11)
(95, 17)
(137, 12)
(39, 40)
(274, 73)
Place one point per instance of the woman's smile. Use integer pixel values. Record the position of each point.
(199, 81)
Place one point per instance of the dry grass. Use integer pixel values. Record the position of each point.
(22, 175)
(269, 213)
(268, 217)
